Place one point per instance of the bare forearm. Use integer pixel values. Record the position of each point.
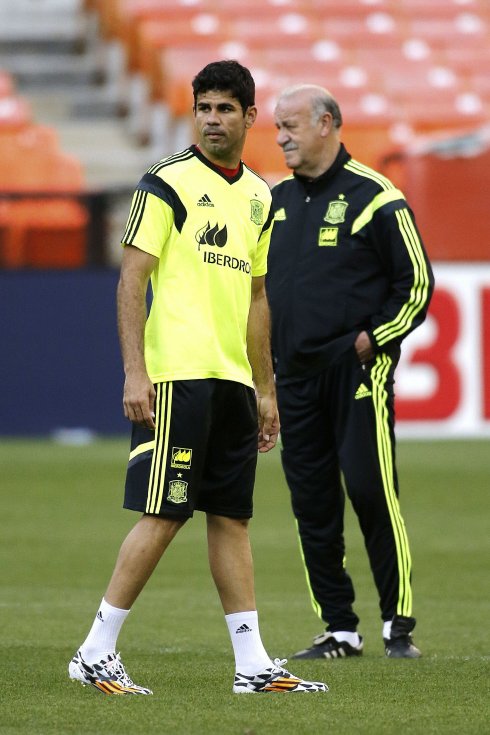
(259, 354)
(131, 313)
(258, 346)
(139, 393)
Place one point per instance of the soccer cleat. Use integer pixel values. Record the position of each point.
(275, 679)
(108, 675)
(401, 647)
(326, 645)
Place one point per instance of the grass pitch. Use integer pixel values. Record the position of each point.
(62, 527)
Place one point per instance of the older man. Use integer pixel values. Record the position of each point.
(348, 279)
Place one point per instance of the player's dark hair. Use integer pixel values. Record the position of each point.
(226, 76)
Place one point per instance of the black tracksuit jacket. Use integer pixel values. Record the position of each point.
(345, 256)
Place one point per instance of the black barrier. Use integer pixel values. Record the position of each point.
(60, 365)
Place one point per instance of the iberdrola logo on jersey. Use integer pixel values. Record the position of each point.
(212, 235)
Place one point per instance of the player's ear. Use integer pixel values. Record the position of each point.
(327, 123)
(250, 116)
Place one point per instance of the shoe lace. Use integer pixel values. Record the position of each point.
(278, 666)
(119, 672)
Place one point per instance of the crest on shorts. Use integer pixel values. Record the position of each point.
(181, 458)
(256, 212)
(177, 491)
(336, 211)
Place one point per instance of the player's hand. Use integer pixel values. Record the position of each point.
(139, 400)
(268, 422)
(364, 347)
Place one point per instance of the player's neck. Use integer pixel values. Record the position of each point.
(230, 172)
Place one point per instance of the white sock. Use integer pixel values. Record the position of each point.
(387, 629)
(347, 636)
(103, 634)
(250, 654)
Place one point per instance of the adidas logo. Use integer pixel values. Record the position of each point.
(362, 392)
(205, 201)
(280, 215)
(243, 629)
(99, 617)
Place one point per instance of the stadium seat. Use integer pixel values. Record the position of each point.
(15, 112)
(396, 66)
(41, 222)
(444, 109)
(439, 8)
(463, 30)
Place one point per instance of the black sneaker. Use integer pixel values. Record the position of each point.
(401, 647)
(326, 646)
(400, 644)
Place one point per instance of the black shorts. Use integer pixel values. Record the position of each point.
(202, 455)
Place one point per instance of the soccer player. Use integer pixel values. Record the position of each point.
(348, 278)
(199, 228)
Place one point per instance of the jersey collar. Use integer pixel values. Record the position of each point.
(216, 169)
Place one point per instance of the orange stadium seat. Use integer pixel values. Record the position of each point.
(396, 66)
(15, 112)
(439, 8)
(459, 30)
(444, 109)
(119, 16)
(376, 29)
(50, 231)
(291, 30)
(273, 67)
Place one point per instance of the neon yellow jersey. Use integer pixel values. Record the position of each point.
(211, 235)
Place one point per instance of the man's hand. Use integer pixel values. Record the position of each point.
(364, 347)
(268, 422)
(139, 400)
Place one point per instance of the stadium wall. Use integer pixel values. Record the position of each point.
(61, 370)
(60, 367)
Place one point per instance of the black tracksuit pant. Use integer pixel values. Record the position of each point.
(342, 422)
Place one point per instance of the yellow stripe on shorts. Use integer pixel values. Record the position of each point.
(145, 447)
(163, 412)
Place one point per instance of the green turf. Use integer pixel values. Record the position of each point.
(62, 525)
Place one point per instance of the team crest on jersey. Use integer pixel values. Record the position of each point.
(212, 235)
(181, 458)
(336, 211)
(328, 236)
(177, 491)
(256, 212)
